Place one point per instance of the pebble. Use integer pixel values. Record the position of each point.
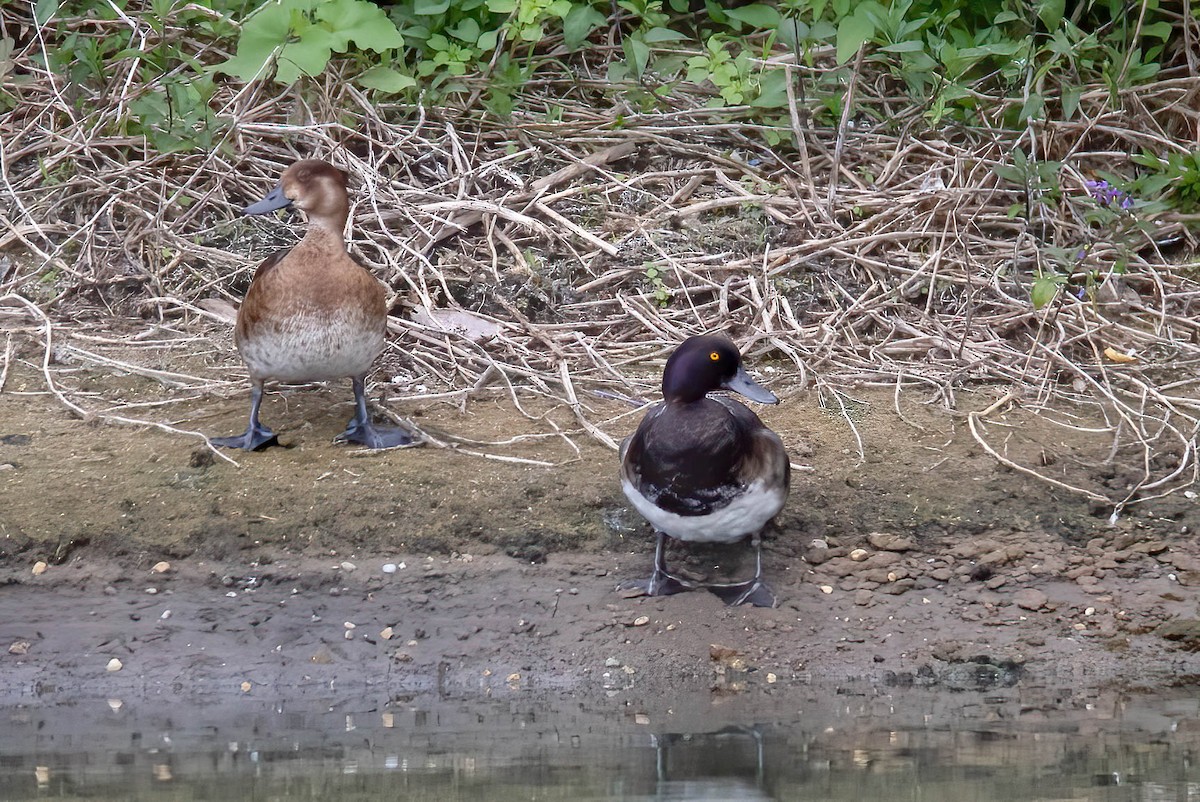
(165, 615)
(161, 567)
(826, 589)
(246, 686)
(348, 566)
(858, 555)
(863, 597)
(39, 568)
(387, 633)
(152, 591)
(641, 621)
(1030, 599)
(114, 665)
(612, 662)
(19, 647)
(888, 542)
(772, 678)
(389, 568)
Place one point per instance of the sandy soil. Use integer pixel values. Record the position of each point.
(924, 562)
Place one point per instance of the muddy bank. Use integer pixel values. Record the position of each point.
(922, 563)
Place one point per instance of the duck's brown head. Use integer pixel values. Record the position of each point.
(314, 186)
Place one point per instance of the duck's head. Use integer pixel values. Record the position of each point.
(709, 362)
(313, 186)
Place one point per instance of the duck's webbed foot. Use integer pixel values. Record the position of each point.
(372, 436)
(254, 438)
(256, 435)
(361, 430)
(661, 582)
(753, 591)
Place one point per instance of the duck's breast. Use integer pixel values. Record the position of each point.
(308, 319)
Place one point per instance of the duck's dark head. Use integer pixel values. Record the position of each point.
(706, 363)
(314, 186)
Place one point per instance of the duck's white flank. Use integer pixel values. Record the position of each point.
(747, 514)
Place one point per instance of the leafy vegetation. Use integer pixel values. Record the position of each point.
(995, 63)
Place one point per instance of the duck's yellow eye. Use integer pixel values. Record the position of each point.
(714, 356)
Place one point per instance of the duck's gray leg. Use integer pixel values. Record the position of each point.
(753, 591)
(256, 435)
(660, 583)
(361, 430)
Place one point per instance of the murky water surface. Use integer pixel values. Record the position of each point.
(827, 743)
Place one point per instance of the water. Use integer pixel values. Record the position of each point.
(806, 743)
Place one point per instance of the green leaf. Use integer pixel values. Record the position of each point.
(1070, 100)
(487, 40)
(756, 15)
(1050, 12)
(1006, 16)
(386, 79)
(772, 90)
(429, 8)
(466, 31)
(910, 46)
(1044, 289)
(308, 56)
(502, 6)
(1033, 106)
(579, 23)
(1161, 29)
(638, 53)
(360, 22)
(44, 10)
(655, 35)
(853, 32)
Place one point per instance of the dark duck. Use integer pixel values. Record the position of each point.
(705, 469)
(312, 313)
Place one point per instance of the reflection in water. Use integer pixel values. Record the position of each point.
(813, 742)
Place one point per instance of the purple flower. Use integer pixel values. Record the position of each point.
(1107, 195)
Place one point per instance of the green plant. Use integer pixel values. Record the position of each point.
(662, 295)
(298, 37)
(1176, 178)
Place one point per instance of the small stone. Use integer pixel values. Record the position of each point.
(151, 591)
(826, 589)
(388, 633)
(389, 568)
(863, 597)
(246, 686)
(349, 625)
(888, 542)
(348, 566)
(771, 678)
(612, 662)
(19, 647)
(641, 621)
(641, 718)
(161, 567)
(114, 665)
(115, 705)
(1030, 599)
(858, 555)
(513, 678)
(39, 568)
(995, 582)
(165, 615)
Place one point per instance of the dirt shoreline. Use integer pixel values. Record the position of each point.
(923, 564)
